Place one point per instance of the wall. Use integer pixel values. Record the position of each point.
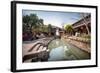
(5, 37)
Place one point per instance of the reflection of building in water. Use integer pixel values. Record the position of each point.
(57, 32)
(83, 25)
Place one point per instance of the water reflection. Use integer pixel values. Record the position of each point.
(56, 54)
(61, 50)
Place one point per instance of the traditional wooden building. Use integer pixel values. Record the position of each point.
(58, 31)
(83, 25)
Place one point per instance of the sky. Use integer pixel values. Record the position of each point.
(55, 18)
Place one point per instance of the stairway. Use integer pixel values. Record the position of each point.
(37, 52)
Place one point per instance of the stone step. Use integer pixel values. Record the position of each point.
(27, 47)
(40, 49)
(44, 49)
(35, 49)
(34, 52)
(33, 46)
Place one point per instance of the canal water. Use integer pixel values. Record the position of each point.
(60, 50)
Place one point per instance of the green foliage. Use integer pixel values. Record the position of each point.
(26, 19)
(45, 29)
(40, 21)
(69, 29)
(31, 21)
(86, 36)
(49, 28)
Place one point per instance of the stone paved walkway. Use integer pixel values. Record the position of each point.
(82, 45)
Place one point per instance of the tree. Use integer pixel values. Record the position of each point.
(31, 26)
(40, 21)
(49, 29)
(26, 20)
(31, 21)
(41, 27)
(69, 29)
